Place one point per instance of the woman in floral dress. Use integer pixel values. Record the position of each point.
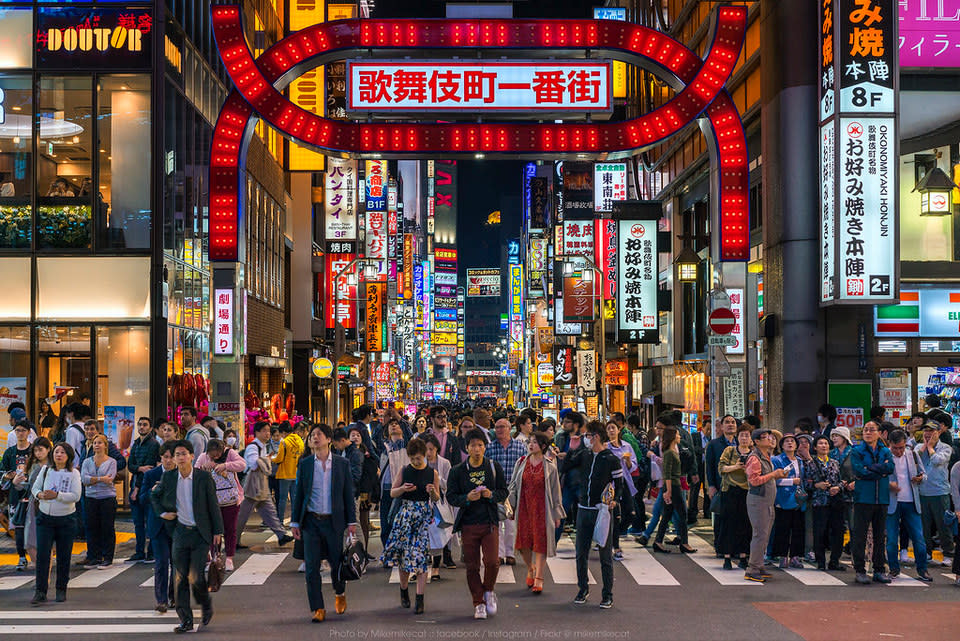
(409, 543)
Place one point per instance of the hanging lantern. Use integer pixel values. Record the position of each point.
(936, 193)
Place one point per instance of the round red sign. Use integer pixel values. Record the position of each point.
(722, 320)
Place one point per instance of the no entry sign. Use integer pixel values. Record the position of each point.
(722, 320)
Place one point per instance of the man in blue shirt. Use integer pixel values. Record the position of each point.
(506, 451)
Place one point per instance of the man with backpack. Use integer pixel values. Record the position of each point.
(197, 434)
(256, 487)
(74, 415)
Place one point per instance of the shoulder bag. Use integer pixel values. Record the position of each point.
(217, 569)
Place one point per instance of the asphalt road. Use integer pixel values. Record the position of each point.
(673, 597)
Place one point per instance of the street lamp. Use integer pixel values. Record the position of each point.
(687, 263)
(936, 193)
(571, 263)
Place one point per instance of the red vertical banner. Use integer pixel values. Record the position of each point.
(407, 283)
(335, 263)
(605, 239)
(375, 294)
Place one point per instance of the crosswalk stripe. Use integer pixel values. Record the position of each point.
(646, 570)
(904, 581)
(97, 577)
(256, 569)
(21, 615)
(14, 582)
(148, 583)
(564, 571)
(96, 628)
(814, 577)
(705, 558)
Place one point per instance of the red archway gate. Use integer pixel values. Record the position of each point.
(699, 83)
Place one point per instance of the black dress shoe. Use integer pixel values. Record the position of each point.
(61, 596)
(923, 576)
(183, 627)
(206, 616)
(283, 540)
(38, 597)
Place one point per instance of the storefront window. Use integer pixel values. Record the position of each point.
(939, 346)
(923, 238)
(63, 363)
(890, 347)
(16, 142)
(14, 370)
(64, 163)
(123, 124)
(16, 29)
(15, 274)
(123, 379)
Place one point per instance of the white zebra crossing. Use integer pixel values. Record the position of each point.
(102, 622)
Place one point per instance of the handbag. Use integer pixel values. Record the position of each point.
(443, 514)
(18, 513)
(601, 529)
(353, 561)
(227, 489)
(217, 568)
(504, 510)
(716, 503)
(801, 495)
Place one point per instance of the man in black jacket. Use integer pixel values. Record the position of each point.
(476, 486)
(187, 501)
(144, 456)
(599, 468)
(727, 438)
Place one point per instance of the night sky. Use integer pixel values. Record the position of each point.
(485, 186)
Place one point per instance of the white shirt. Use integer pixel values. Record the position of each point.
(320, 496)
(905, 495)
(68, 487)
(185, 499)
(75, 439)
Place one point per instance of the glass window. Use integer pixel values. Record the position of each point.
(123, 126)
(940, 346)
(123, 379)
(16, 109)
(63, 360)
(128, 296)
(14, 370)
(16, 30)
(15, 275)
(884, 347)
(64, 162)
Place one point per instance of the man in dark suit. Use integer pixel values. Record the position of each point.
(160, 540)
(323, 507)
(187, 500)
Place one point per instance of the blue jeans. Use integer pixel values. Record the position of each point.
(138, 512)
(908, 515)
(286, 490)
(655, 516)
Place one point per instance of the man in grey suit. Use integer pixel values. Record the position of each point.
(323, 507)
(187, 501)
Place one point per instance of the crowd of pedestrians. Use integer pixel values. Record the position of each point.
(497, 484)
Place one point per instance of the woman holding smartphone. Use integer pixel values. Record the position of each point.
(735, 535)
(57, 489)
(100, 502)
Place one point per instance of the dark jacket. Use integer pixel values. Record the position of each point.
(711, 464)
(144, 451)
(145, 487)
(370, 479)
(871, 467)
(342, 504)
(597, 470)
(206, 512)
(355, 457)
(458, 486)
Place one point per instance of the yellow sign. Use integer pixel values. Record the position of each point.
(305, 13)
(341, 12)
(443, 338)
(322, 367)
(308, 93)
(619, 79)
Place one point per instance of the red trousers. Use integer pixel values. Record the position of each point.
(477, 539)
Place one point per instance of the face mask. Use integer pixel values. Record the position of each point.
(588, 441)
(820, 418)
(231, 441)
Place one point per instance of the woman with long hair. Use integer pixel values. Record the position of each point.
(57, 489)
(409, 542)
(535, 490)
(735, 534)
(47, 417)
(40, 455)
(672, 493)
(224, 464)
(628, 463)
(97, 473)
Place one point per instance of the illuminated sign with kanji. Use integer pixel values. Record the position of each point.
(223, 322)
(637, 280)
(375, 179)
(609, 184)
(340, 202)
(859, 183)
(85, 37)
(491, 85)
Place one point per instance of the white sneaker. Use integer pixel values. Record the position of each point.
(904, 557)
(491, 600)
(947, 561)
(303, 567)
(480, 612)
(228, 566)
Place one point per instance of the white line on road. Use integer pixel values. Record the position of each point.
(714, 566)
(14, 582)
(33, 613)
(94, 629)
(97, 577)
(809, 576)
(256, 569)
(564, 571)
(645, 569)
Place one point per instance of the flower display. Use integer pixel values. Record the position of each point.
(15, 224)
(64, 226)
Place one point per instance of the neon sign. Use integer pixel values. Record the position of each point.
(699, 84)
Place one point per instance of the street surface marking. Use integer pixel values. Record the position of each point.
(645, 569)
(14, 582)
(809, 576)
(96, 577)
(714, 566)
(256, 569)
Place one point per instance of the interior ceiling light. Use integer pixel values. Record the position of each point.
(20, 125)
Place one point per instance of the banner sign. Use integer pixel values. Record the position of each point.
(578, 238)
(605, 236)
(928, 313)
(561, 327)
(637, 278)
(376, 235)
(407, 284)
(376, 299)
(516, 309)
(223, 322)
(418, 296)
(563, 372)
(541, 204)
(929, 33)
(483, 283)
(609, 184)
(502, 86)
(340, 200)
(587, 369)
(375, 179)
(578, 299)
(345, 310)
(578, 192)
(859, 162)
(94, 38)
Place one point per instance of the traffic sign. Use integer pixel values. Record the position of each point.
(722, 321)
(322, 367)
(722, 341)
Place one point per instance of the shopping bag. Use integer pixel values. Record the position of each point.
(353, 562)
(443, 514)
(602, 528)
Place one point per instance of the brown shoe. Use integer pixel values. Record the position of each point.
(340, 603)
(319, 616)
(511, 560)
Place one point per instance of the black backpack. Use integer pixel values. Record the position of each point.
(688, 462)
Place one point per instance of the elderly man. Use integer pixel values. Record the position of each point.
(506, 451)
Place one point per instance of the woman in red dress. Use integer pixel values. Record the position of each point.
(535, 491)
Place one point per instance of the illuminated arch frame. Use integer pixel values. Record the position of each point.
(699, 84)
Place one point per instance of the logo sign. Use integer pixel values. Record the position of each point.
(445, 255)
(443, 325)
(578, 299)
(446, 315)
(563, 371)
(375, 179)
(637, 320)
(561, 327)
(85, 38)
(501, 86)
(335, 263)
(483, 283)
(322, 367)
(447, 279)
(859, 167)
(340, 200)
(578, 238)
(609, 184)
(444, 338)
(933, 313)
(545, 375)
(578, 190)
(223, 322)
(513, 251)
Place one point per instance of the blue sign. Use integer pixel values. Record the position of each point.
(609, 13)
(445, 314)
(513, 251)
